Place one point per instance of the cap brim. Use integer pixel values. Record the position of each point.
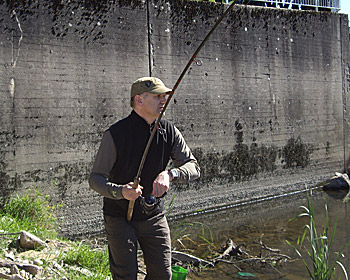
(160, 90)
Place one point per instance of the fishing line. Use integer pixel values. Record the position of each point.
(137, 178)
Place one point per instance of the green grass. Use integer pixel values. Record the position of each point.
(33, 213)
(94, 262)
(30, 212)
(324, 261)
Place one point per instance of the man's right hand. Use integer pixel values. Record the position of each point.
(130, 193)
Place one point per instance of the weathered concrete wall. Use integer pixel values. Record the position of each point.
(72, 67)
(265, 99)
(264, 106)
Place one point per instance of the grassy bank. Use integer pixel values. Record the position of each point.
(33, 212)
(62, 259)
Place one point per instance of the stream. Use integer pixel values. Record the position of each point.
(267, 221)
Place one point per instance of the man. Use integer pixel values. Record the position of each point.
(113, 175)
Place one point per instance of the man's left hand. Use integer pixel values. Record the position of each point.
(161, 184)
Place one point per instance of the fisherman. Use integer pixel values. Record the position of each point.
(113, 176)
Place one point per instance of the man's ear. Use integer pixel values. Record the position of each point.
(138, 99)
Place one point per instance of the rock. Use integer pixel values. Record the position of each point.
(14, 269)
(38, 262)
(30, 241)
(11, 277)
(10, 255)
(55, 265)
(16, 277)
(337, 183)
(30, 268)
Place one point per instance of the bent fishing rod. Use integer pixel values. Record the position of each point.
(137, 178)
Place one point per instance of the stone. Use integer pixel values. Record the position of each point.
(30, 241)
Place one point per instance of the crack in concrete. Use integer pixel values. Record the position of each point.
(15, 57)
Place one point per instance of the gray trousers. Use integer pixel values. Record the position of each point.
(153, 235)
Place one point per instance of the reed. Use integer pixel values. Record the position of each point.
(187, 231)
(324, 262)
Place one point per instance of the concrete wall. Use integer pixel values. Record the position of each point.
(264, 106)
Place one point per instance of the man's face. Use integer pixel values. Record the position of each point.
(153, 104)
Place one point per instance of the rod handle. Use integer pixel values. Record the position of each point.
(132, 202)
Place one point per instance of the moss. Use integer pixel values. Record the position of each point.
(184, 13)
(83, 19)
(244, 162)
(4, 180)
(296, 153)
(63, 176)
(8, 184)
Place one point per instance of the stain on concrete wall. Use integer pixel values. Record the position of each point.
(242, 163)
(264, 103)
(296, 153)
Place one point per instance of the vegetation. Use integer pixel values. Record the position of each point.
(83, 260)
(186, 231)
(32, 212)
(94, 261)
(323, 264)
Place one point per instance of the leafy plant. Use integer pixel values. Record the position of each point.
(323, 264)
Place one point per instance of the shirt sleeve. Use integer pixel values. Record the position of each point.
(103, 164)
(183, 160)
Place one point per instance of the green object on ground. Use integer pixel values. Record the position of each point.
(179, 273)
(245, 274)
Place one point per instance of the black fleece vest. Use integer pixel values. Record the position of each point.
(130, 136)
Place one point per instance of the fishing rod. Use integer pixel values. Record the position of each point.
(137, 178)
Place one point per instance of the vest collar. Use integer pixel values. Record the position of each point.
(139, 121)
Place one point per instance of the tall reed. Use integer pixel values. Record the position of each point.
(324, 262)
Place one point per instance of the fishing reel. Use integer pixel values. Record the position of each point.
(149, 204)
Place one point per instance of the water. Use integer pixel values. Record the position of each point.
(268, 221)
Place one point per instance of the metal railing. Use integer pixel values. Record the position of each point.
(333, 5)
